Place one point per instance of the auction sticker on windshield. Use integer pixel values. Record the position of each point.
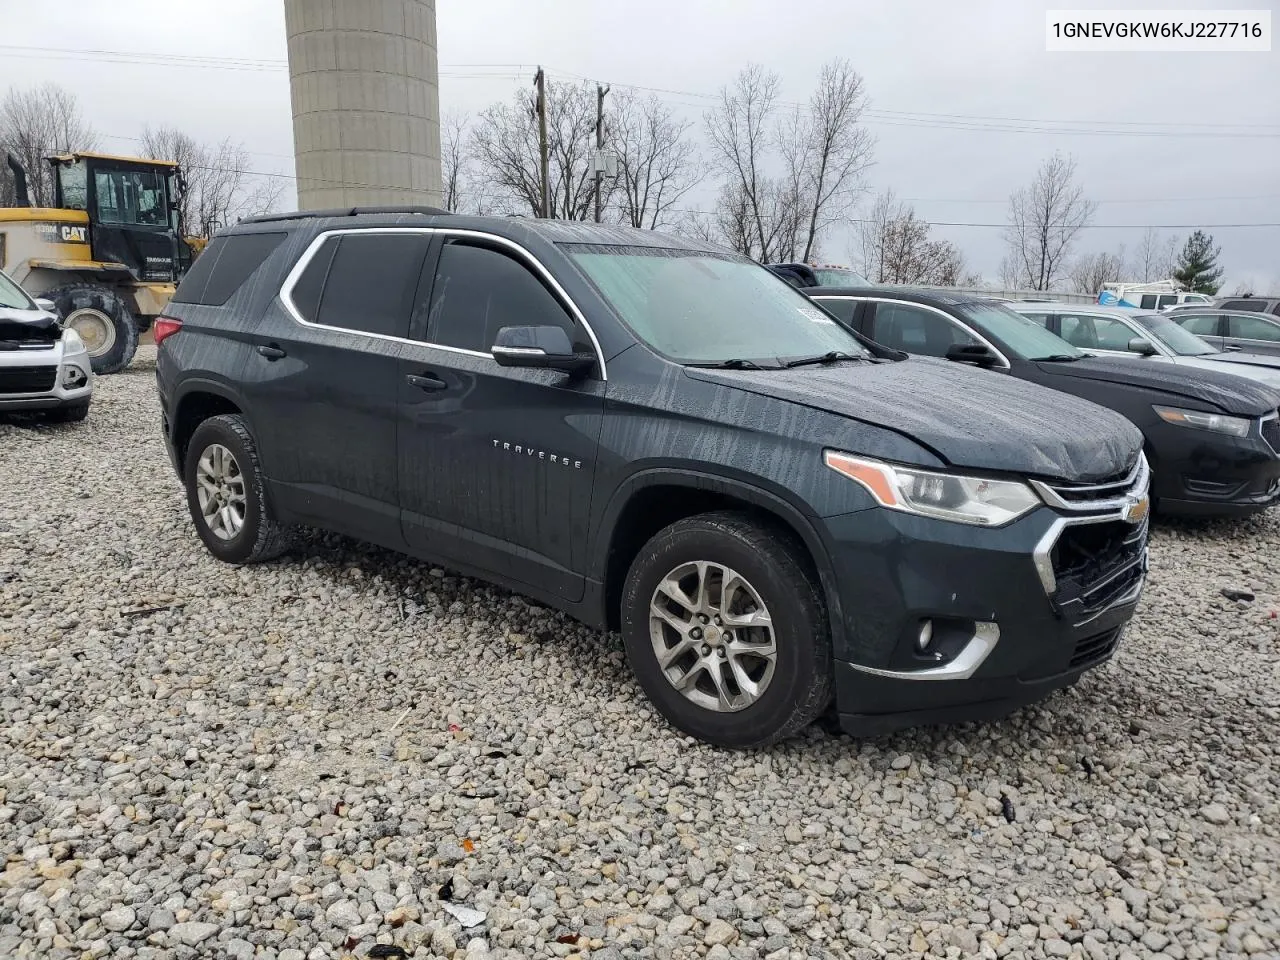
(814, 314)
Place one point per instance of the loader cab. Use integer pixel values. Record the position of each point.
(133, 211)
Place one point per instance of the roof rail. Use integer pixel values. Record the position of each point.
(344, 212)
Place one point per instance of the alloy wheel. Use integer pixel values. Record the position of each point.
(220, 490)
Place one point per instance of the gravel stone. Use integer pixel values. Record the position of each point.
(276, 758)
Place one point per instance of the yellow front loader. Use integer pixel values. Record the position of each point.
(107, 253)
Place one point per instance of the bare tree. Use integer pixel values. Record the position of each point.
(221, 187)
(657, 163)
(453, 159)
(505, 145)
(1044, 219)
(836, 150)
(37, 123)
(895, 247)
(790, 177)
(1089, 271)
(1010, 273)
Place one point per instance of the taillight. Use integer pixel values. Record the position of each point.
(163, 328)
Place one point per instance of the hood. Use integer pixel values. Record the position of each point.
(1243, 359)
(28, 326)
(970, 418)
(1268, 374)
(1225, 390)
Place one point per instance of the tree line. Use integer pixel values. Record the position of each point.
(783, 175)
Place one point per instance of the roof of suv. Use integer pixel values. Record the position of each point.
(514, 228)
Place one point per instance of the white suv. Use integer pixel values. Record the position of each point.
(43, 368)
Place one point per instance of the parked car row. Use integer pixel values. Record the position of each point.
(784, 505)
(44, 367)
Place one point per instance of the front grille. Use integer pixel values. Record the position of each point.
(1093, 650)
(1094, 497)
(1095, 564)
(27, 379)
(1271, 432)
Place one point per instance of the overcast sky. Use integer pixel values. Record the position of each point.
(974, 58)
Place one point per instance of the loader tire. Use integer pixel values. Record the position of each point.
(104, 321)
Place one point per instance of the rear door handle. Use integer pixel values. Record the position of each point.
(425, 382)
(271, 351)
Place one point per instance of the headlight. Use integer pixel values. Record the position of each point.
(947, 496)
(71, 341)
(1217, 422)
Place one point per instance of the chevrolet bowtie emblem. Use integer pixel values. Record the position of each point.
(1136, 510)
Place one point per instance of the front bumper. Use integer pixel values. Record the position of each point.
(1023, 610)
(1197, 473)
(33, 380)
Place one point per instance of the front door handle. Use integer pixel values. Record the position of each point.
(425, 382)
(271, 351)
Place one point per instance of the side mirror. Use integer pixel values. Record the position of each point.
(541, 347)
(1144, 347)
(978, 353)
(47, 305)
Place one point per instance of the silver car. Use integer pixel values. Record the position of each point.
(1254, 332)
(1145, 335)
(44, 368)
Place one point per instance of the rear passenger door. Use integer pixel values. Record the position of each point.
(322, 381)
(496, 463)
(1207, 326)
(1259, 334)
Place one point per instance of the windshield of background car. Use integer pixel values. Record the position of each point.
(1178, 339)
(13, 296)
(1024, 337)
(840, 278)
(694, 306)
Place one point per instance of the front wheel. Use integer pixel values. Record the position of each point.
(103, 320)
(726, 630)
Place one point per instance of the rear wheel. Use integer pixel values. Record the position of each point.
(103, 320)
(726, 630)
(226, 495)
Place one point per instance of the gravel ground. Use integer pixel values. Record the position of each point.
(289, 761)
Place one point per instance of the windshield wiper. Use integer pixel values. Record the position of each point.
(831, 356)
(736, 363)
(1059, 358)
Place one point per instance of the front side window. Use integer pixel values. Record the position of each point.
(1040, 319)
(904, 326)
(843, 309)
(1252, 328)
(1202, 325)
(74, 181)
(1094, 333)
(131, 197)
(695, 306)
(478, 290)
(1173, 335)
(1148, 301)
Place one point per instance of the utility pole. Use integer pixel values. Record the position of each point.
(599, 164)
(540, 81)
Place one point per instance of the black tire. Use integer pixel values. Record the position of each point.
(262, 536)
(773, 562)
(111, 305)
(71, 413)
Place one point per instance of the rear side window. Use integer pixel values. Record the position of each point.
(363, 282)
(1148, 301)
(1041, 318)
(1252, 328)
(1253, 306)
(479, 290)
(224, 267)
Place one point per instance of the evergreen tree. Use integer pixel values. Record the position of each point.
(1198, 269)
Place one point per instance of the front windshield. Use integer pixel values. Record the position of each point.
(1023, 337)
(1177, 338)
(698, 307)
(13, 296)
(839, 277)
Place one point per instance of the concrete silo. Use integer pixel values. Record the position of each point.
(364, 81)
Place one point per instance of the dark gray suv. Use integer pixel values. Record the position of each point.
(661, 437)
